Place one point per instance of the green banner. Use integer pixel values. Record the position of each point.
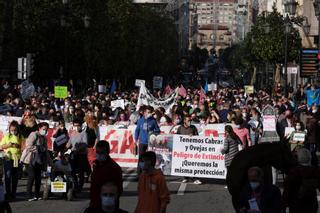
(60, 92)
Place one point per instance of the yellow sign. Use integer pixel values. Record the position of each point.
(60, 92)
(248, 89)
(58, 187)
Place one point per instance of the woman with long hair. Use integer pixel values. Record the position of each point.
(231, 145)
(11, 144)
(36, 158)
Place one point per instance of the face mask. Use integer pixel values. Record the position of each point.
(141, 165)
(43, 132)
(100, 157)
(14, 132)
(254, 185)
(78, 129)
(178, 121)
(108, 203)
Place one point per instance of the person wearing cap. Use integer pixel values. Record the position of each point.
(301, 184)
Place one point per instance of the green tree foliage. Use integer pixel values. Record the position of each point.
(263, 46)
(122, 41)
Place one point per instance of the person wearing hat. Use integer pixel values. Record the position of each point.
(301, 184)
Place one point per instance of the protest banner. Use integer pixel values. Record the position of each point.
(139, 82)
(122, 145)
(60, 91)
(157, 82)
(198, 156)
(146, 98)
(269, 123)
(102, 88)
(162, 146)
(117, 104)
(248, 89)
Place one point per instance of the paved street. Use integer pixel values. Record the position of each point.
(209, 197)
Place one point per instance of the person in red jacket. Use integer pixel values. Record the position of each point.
(153, 193)
(104, 170)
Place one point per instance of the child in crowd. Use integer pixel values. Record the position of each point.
(153, 193)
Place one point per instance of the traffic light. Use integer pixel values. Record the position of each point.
(22, 68)
(30, 64)
(309, 62)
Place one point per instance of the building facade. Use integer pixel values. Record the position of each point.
(216, 23)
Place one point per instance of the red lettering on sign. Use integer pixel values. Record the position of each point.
(211, 132)
(127, 142)
(114, 142)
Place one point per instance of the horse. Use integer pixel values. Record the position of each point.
(263, 155)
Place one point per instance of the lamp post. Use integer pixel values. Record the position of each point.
(290, 7)
(316, 5)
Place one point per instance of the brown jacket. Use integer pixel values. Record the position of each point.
(153, 192)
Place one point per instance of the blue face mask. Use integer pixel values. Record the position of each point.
(254, 185)
(141, 165)
(100, 157)
(108, 203)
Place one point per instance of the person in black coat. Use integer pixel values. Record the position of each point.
(257, 197)
(110, 199)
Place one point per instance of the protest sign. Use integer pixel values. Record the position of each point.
(122, 145)
(27, 90)
(157, 82)
(102, 88)
(146, 98)
(299, 136)
(269, 123)
(58, 187)
(248, 89)
(139, 82)
(198, 156)
(117, 103)
(162, 146)
(288, 131)
(60, 91)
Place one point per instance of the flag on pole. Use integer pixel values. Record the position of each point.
(113, 87)
(167, 90)
(182, 91)
(206, 87)
(202, 95)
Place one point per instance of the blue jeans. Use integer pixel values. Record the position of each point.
(11, 177)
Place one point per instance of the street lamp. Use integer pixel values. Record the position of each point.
(290, 6)
(306, 27)
(316, 5)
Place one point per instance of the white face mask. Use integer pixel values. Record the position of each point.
(254, 185)
(14, 132)
(108, 203)
(43, 132)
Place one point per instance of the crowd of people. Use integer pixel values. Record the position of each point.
(25, 143)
